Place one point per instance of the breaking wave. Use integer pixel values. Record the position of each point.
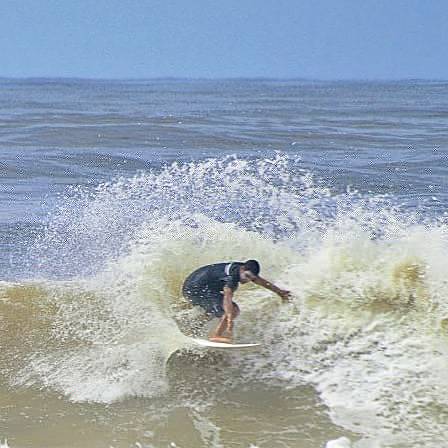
(366, 326)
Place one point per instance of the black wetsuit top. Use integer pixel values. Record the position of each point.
(204, 287)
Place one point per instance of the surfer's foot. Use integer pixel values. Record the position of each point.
(221, 339)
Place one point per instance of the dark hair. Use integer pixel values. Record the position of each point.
(252, 266)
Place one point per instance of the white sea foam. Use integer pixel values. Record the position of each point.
(366, 326)
(342, 442)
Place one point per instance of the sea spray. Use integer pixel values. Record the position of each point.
(366, 326)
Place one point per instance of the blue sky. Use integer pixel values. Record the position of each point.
(323, 39)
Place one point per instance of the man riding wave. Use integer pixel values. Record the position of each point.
(212, 287)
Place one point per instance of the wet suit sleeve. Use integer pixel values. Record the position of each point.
(230, 282)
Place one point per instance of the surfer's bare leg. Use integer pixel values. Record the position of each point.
(225, 328)
(219, 330)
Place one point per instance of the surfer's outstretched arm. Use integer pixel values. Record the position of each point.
(284, 294)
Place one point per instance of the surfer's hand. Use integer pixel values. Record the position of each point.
(285, 295)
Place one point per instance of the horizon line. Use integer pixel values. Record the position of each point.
(225, 78)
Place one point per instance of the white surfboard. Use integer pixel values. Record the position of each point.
(225, 345)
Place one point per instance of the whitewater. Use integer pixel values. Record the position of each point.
(93, 325)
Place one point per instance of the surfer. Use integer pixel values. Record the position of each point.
(212, 287)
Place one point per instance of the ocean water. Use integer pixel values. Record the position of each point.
(111, 192)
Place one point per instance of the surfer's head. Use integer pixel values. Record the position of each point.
(249, 270)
